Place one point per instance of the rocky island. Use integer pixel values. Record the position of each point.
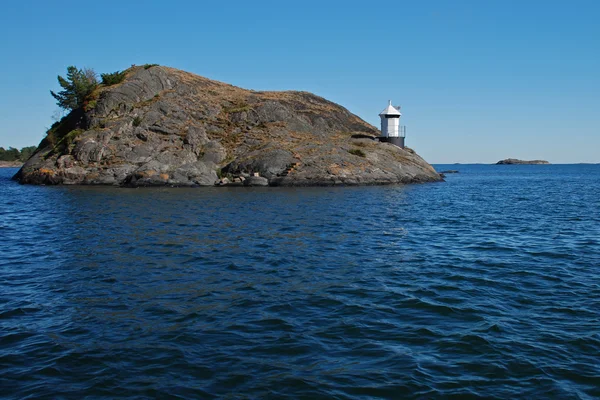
(161, 126)
(510, 161)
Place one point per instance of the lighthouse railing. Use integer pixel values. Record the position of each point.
(402, 131)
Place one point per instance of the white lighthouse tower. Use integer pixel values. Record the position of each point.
(391, 131)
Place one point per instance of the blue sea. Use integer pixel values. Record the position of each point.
(483, 286)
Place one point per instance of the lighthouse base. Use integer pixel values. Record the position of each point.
(398, 141)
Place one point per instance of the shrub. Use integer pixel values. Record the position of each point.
(137, 121)
(59, 129)
(113, 78)
(357, 152)
(64, 142)
(241, 108)
(90, 105)
(146, 66)
(69, 138)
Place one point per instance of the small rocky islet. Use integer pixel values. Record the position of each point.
(165, 127)
(514, 161)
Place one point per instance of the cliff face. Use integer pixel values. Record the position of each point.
(162, 126)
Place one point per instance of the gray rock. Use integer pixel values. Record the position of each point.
(256, 181)
(88, 150)
(66, 161)
(268, 162)
(214, 152)
(166, 127)
(142, 135)
(196, 137)
(143, 85)
(73, 175)
(200, 173)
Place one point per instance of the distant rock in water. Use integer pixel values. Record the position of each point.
(515, 161)
(163, 126)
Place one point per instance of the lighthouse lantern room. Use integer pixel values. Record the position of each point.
(391, 131)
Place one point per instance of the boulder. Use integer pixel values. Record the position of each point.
(256, 181)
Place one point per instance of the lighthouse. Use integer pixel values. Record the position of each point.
(391, 131)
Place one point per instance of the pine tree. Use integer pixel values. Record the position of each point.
(78, 85)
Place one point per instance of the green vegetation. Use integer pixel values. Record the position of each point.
(69, 138)
(80, 94)
(238, 109)
(357, 152)
(113, 78)
(65, 142)
(80, 87)
(27, 152)
(137, 121)
(222, 174)
(13, 154)
(61, 128)
(77, 88)
(146, 66)
(90, 105)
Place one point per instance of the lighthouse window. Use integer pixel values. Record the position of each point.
(392, 116)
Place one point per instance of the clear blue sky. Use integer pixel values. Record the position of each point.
(478, 80)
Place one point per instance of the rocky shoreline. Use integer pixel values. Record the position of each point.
(11, 164)
(166, 127)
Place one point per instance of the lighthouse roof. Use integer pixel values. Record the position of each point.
(390, 110)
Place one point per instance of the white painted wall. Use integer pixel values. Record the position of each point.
(384, 126)
(393, 127)
(390, 127)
